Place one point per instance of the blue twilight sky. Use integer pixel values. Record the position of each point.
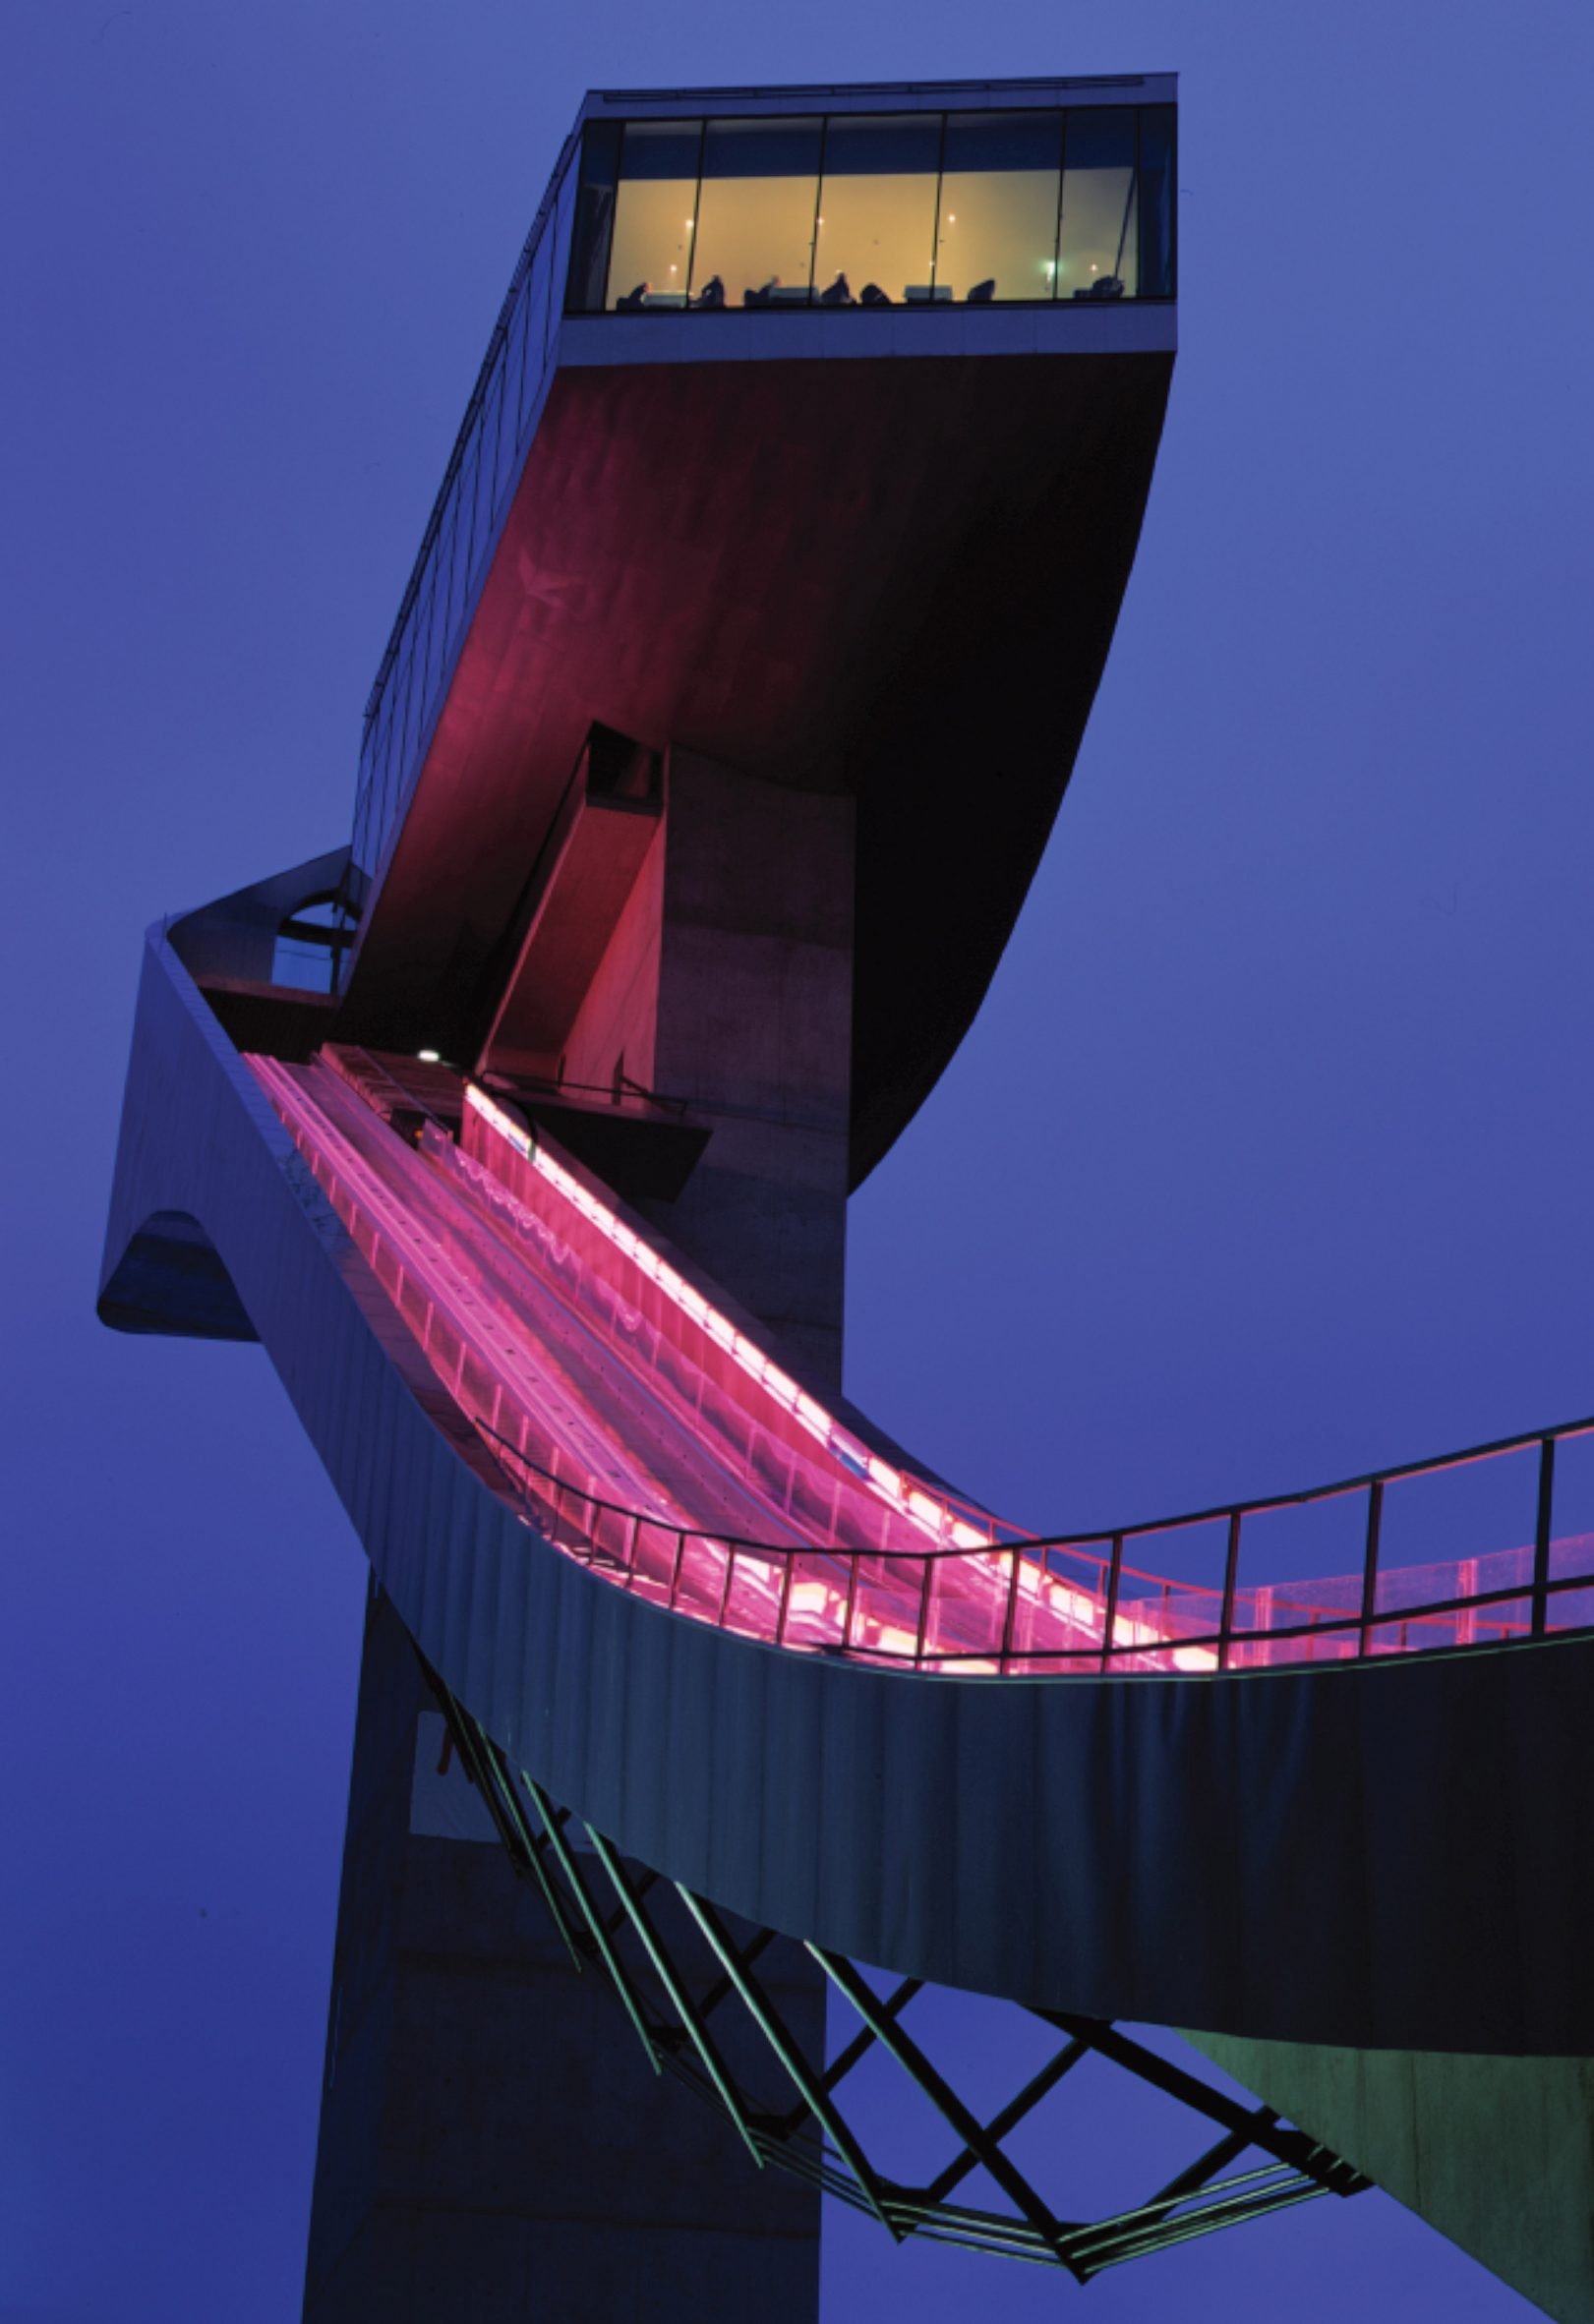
(1267, 1161)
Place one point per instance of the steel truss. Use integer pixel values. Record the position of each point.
(688, 1978)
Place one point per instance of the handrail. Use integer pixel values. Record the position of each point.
(1105, 1533)
(511, 1085)
(1339, 1626)
(1353, 1485)
(988, 1599)
(952, 1504)
(745, 1541)
(1216, 1644)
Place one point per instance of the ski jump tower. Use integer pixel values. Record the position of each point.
(725, 715)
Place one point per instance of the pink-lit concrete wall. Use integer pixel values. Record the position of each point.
(755, 1009)
(619, 1016)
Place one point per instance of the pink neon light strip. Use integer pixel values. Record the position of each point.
(414, 1224)
(910, 1496)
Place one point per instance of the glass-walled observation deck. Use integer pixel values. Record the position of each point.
(1039, 194)
(875, 209)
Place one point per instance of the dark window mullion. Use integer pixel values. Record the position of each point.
(1173, 204)
(936, 221)
(1131, 209)
(697, 207)
(500, 452)
(818, 199)
(1062, 196)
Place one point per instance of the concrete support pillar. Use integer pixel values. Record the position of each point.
(492, 2144)
(754, 1031)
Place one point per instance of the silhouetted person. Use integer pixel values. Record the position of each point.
(982, 293)
(838, 293)
(712, 293)
(764, 295)
(1106, 286)
(633, 300)
(871, 295)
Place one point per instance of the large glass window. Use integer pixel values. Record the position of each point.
(488, 470)
(755, 213)
(650, 261)
(876, 226)
(868, 209)
(436, 630)
(1097, 249)
(1155, 201)
(842, 210)
(514, 357)
(997, 237)
(560, 227)
(537, 320)
(594, 218)
(463, 496)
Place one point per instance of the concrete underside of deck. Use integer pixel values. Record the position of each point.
(1497, 2153)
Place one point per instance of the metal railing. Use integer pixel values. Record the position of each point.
(1146, 1621)
(1000, 1603)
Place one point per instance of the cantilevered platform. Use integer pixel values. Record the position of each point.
(873, 550)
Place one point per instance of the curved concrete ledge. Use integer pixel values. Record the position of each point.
(1384, 1854)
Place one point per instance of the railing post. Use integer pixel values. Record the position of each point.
(725, 1593)
(674, 1571)
(922, 1636)
(1231, 1571)
(1374, 1525)
(1466, 1620)
(1540, 1536)
(570, 1512)
(786, 1598)
(1109, 1613)
(630, 1549)
(1010, 1623)
(853, 1564)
